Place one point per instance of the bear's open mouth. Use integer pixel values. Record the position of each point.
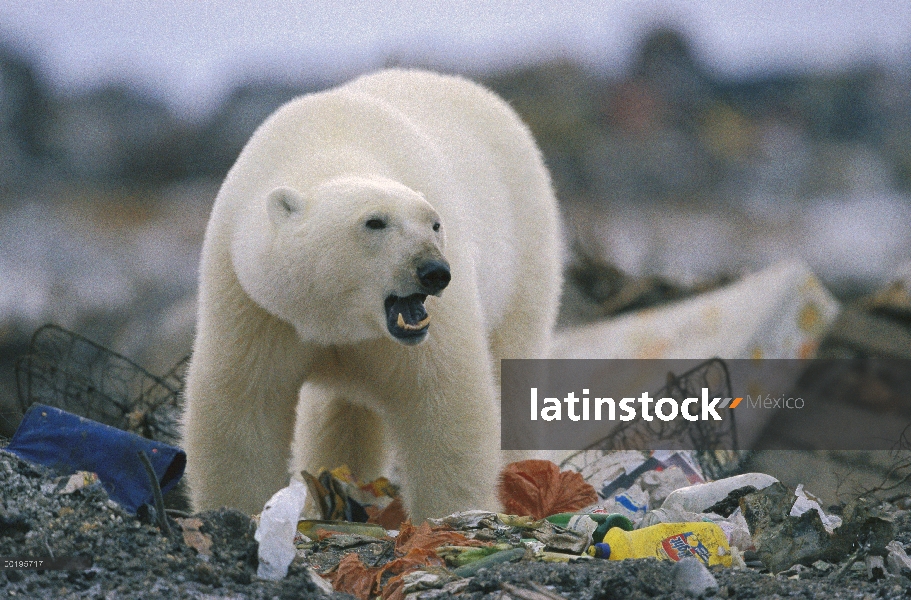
(406, 317)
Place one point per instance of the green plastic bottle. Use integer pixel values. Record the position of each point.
(597, 524)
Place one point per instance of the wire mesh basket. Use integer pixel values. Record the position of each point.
(68, 371)
(714, 443)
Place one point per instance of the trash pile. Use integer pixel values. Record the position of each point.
(655, 315)
(91, 547)
(93, 391)
(748, 521)
(745, 536)
(596, 509)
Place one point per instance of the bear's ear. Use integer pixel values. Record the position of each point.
(283, 203)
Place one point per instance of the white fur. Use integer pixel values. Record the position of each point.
(291, 323)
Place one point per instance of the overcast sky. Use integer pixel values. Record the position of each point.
(190, 51)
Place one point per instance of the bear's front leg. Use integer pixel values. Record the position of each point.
(239, 419)
(331, 431)
(445, 432)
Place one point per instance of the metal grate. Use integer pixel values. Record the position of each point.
(715, 443)
(68, 371)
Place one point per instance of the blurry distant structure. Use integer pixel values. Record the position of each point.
(23, 114)
(115, 135)
(669, 129)
(667, 65)
(652, 113)
(218, 142)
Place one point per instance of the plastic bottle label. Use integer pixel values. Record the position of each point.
(683, 545)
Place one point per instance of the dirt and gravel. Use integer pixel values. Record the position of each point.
(132, 559)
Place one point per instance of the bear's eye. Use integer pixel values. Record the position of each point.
(436, 226)
(375, 223)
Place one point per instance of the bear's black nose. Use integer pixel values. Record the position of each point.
(434, 275)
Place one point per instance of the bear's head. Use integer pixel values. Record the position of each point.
(351, 259)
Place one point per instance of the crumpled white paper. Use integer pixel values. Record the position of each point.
(806, 501)
(277, 526)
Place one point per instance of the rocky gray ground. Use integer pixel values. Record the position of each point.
(130, 559)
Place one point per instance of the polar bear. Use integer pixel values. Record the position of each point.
(374, 252)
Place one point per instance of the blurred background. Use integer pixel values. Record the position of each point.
(688, 141)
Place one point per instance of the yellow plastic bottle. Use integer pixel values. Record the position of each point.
(667, 541)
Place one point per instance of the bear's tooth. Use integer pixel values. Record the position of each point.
(408, 327)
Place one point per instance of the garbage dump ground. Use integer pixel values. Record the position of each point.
(778, 538)
(216, 557)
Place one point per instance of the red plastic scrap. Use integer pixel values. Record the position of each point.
(417, 558)
(428, 538)
(352, 577)
(390, 517)
(538, 489)
(414, 548)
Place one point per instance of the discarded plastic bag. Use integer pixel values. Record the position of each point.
(631, 503)
(614, 471)
(660, 484)
(61, 440)
(277, 526)
(697, 498)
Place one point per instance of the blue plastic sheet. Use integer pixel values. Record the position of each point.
(67, 443)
